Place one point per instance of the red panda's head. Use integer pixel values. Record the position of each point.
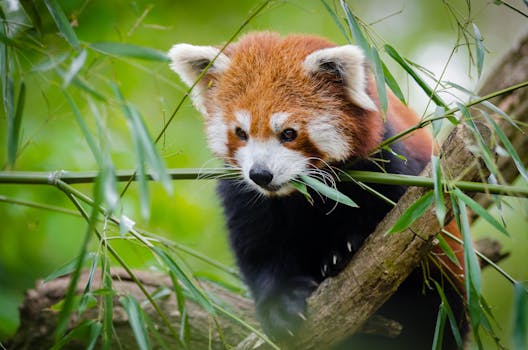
(278, 107)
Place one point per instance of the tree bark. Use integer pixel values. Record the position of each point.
(341, 305)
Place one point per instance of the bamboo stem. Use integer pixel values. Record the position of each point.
(51, 178)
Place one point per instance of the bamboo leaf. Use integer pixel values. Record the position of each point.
(77, 333)
(185, 332)
(327, 191)
(62, 23)
(479, 48)
(440, 208)
(473, 275)
(301, 187)
(145, 152)
(75, 66)
(439, 328)
(129, 50)
(380, 80)
(508, 145)
(67, 268)
(485, 152)
(136, 320)
(393, 84)
(500, 112)
(478, 209)
(108, 305)
(520, 323)
(450, 315)
(151, 154)
(355, 29)
(84, 128)
(81, 84)
(180, 274)
(446, 248)
(50, 63)
(13, 134)
(336, 20)
(95, 332)
(423, 85)
(416, 210)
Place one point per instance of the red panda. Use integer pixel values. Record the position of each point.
(278, 107)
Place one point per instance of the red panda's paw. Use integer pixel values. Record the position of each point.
(282, 314)
(338, 259)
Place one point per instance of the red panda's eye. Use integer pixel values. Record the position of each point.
(241, 134)
(288, 135)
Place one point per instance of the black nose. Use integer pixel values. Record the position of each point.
(260, 175)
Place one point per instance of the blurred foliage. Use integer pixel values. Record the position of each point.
(34, 242)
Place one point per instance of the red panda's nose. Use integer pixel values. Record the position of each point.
(260, 175)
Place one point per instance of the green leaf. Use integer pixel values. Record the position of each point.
(478, 209)
(392, 83)
(485, 152)
(67, 268)
(487, 104)
(327, 191)
(62, 23)
(146, 153)
(355, 29)
(301, 187)
(75, 66)
(184, 323)
(182, 276)
(33, 14)
(508, 145)
(95, 332)
(81, 331)
(423, 85)
(136, 320)
(437, 123)
(81, 84)
(473, 274)
(336, 20)
(446, 248)
(13, 133)
(84, 128)
(440, 207)
(451, 316)
(416, 210)
(520, 323)
(480, 48)
(380, 80)
(129, 50)
(50, 62)
(439, 328)
(108, 305)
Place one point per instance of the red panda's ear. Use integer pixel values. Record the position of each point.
(349, 63)
(188, 61)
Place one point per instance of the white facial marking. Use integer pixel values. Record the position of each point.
(216, 132)
(285, 164)
(327, 137)
(244, 119)
(350, 59)
(277, 121)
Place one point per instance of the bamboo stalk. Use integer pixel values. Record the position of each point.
(51, 178)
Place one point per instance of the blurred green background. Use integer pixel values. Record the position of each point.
(35, 242)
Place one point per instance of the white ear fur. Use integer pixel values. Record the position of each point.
(349, 59)
(188, 61)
